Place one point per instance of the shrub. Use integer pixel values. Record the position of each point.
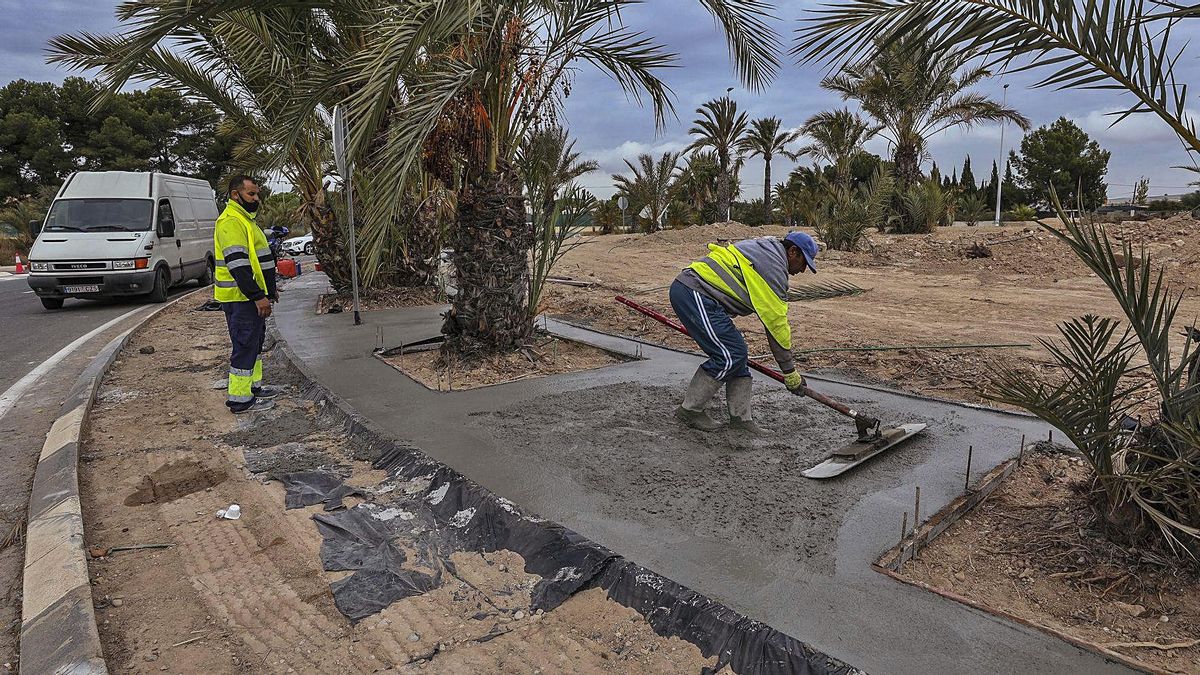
(1146, 471)
(1022, 213)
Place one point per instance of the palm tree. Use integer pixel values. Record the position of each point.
(242, 62)
(722, 128)
(915, 92)
(766, 140)
(1094, 45)
(652, 187)
(548, 163)
(837, 138)
(699, 182)
(453, 87)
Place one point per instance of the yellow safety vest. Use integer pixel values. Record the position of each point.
(730, 271)
(236, 233)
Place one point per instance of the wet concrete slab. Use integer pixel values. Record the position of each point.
(729, 517)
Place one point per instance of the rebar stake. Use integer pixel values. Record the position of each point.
(903, 534)
(916, 521)
(970, 452)
(1021, 452)
(1050, 436)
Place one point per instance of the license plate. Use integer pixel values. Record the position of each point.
(81, 289)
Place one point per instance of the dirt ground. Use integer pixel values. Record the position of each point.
(250, 595)
(924, 290)
(1035, 549)
(546, 355)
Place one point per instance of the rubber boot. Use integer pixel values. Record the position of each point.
(739, 398)
(699, 392)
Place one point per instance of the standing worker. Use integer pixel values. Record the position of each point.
(749, 277)
(245, 287)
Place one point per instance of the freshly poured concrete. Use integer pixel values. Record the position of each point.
(729, 521)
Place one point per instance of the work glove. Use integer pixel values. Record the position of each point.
(794, 381)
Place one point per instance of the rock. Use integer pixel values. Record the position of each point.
(519, 615)
(414, 638)
(1164, 618)
(117, 602)
(960, 576)
(1027, 573)
(1131, 610)
(1178, 243)
(146, 350)
(151, 657)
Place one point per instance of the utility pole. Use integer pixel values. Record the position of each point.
(1001, 165)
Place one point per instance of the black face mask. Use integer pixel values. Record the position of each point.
(250, 208)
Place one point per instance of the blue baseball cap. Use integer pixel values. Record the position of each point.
(807, 246)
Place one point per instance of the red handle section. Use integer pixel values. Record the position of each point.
(769, 372)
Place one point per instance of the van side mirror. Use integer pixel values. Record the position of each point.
(35, 228)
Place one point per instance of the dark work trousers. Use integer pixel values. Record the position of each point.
(712, 328)
(247, 332)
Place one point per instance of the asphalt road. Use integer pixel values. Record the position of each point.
(31, 334)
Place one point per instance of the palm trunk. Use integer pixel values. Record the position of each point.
(908, 166)
(767, 190)
(330, 246)
(491, 258)
(723, 196)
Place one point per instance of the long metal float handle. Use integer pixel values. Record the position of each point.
(769, 372)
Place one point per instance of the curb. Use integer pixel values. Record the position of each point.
(58, 622)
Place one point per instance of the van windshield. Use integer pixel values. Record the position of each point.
(100, 215)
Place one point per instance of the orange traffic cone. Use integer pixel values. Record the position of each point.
(20, 267)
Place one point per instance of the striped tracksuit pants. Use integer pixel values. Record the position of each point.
(712, 328)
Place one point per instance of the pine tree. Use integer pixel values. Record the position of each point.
(934, 174)
(967, 181)
(991, 186)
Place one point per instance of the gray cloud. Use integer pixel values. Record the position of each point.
(610, 127)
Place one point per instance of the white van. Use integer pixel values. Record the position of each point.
(121, 233)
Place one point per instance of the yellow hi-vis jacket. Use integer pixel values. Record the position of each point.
(727, 269)
(238, 242)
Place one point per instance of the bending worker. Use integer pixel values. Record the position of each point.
(749, 277)
(245, 287)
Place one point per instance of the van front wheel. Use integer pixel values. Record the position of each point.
(206, 278)
(161, 282)
(52, 303)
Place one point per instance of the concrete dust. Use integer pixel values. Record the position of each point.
(622, 440)
(250, 596)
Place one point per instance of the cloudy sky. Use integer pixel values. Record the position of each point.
(609, 128)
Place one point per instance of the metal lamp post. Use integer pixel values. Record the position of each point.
(340, 131)
(1000, 165)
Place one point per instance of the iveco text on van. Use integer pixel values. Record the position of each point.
(121, 233)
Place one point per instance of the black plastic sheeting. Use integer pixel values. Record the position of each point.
(435, 511)
(744, 645)
(358, 540)
(305, 488)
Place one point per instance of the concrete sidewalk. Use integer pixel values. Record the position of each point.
(843, 609)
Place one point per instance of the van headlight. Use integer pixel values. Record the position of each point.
(39, 266)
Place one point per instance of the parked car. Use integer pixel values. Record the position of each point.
(123, 233)
(299, 245)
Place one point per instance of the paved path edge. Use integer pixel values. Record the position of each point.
(747, 646)
(58, 622)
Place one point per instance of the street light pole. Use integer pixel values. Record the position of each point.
(1001, 164)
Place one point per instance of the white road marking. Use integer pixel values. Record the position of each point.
(9, 398)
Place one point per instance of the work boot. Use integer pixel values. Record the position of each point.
(699, 392)
(738, 397)
(258, 405)
(266, 392)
